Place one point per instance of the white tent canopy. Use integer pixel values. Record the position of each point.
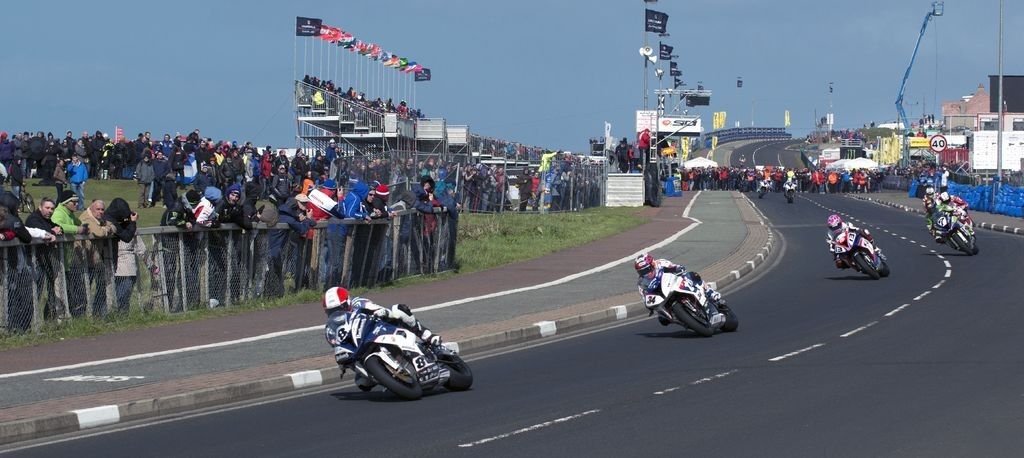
(699, 162)
(851, 164)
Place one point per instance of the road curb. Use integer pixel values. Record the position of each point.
(83, 419)
(983, 225)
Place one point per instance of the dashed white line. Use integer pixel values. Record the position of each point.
(939, 284)
(904, 238)
(794, 353)
(922, 246)
(922, 295)
(897, 310)
(914, 241)
(946, 263)
(940, 256)
(530, 428)
(848, 334)
(714, 377)
(667, 390)
(948, 273)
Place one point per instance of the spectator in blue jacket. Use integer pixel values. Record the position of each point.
(296, 214)
(78, 174)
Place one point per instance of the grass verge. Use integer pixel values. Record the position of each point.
(485, 241)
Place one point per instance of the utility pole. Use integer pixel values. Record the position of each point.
(998, 182)
(829, 116)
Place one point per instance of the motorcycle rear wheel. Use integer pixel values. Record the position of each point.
(690, 321)
(383, 375)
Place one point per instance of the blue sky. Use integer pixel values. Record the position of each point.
(547, 73)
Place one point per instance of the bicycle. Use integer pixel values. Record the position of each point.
(26, 203)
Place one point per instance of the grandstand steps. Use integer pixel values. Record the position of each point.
(624, 190)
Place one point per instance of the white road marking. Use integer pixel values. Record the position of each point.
(97, 416)
(667, 390)
(897, 310)
(848, 334)
(714, 377)
(529, 428)
(937, 285)
(547, 328)
(940, 256)
(306, 379)
(904, 238)
(922, 246)
(946, 263)
(948, 273)
(273, 335)
(922, 295)
(914, 241)
(933, 251)
(787, 355)
(96, 378)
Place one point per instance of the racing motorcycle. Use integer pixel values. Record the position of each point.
(790, 188)
(396, 358)
(853, 250)
(956, 232)
(682, 300)
(765, 186)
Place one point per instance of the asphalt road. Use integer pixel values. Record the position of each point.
(772, 153)
(825, 362)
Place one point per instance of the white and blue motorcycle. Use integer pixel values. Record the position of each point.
(396, 358)
(682, 299)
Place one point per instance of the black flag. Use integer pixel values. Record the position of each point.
(307, 26)
(664, 52)
(673, 70)
(656, 21)
(739, 83)
(678, 82)
(422, 75)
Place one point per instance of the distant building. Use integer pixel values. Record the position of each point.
(963, 114)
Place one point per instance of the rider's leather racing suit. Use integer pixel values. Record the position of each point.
(652, 285)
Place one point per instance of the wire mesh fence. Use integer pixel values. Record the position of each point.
(169, 270)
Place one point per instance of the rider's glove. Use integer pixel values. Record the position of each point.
(382, 313)
(716, 296)
(434, 340)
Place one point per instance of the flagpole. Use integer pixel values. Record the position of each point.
(645, 57)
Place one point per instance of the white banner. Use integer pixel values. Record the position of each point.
(984, 154)
(646, 119)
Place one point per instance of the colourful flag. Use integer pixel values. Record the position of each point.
(318, 98)
(402, 62)
(423, 75)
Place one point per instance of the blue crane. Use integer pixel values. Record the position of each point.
(935, 12)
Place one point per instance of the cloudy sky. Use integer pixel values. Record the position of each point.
(547, 73)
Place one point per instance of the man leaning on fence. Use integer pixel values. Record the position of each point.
(99, 253)
(41, 218)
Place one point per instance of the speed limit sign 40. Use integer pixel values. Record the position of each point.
(937, 143)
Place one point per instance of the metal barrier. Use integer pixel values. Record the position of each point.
(170, 270)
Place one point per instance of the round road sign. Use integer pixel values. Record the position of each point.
(937, 143)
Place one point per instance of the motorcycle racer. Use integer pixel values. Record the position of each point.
(837, 226)
(650, 270)
(944, 202)
(341, 309)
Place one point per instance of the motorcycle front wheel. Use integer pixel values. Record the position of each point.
(732, 322)
(696, 325)
(403, 381)
(461, 377)
(865, 266)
